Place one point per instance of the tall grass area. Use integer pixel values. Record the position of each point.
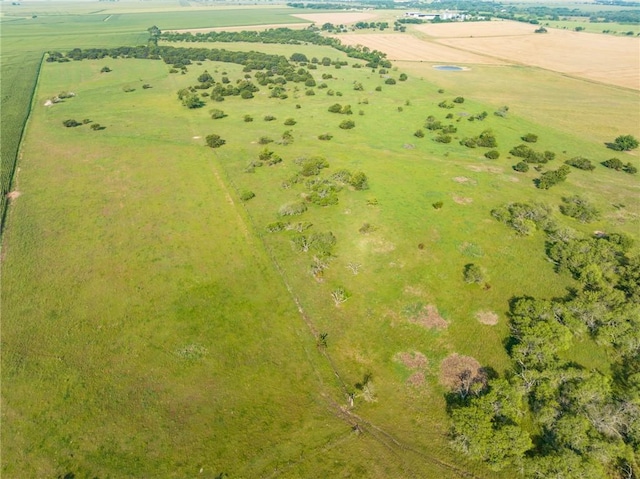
(154, 327)
(28, 31)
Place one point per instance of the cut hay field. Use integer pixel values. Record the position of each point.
(602, 58)
(153, 327)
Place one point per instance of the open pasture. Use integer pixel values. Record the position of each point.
(337, 18)
(179, 311)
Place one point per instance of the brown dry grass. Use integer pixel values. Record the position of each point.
(337, 18)
(461, 200)
(412, 360)
(429, 318)
(416, 380)
(406, 47)
(487, 317)
(456, 367)
(464, 179)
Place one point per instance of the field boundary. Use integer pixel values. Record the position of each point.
(16, 157)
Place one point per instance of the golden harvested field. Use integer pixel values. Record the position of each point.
(337, 18)
(403, 47)
(476, 29)
(602, 58)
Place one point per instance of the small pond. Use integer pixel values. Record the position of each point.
(449, 68)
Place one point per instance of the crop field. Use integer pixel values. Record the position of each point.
(602, 58)
(289, 303)
(405, 47)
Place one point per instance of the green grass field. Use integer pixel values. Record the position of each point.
(153, 327)
(30, 30)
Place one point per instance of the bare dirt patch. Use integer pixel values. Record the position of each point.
(409, 48)
(487, 317)
(412, 360)
(336, 18)
(461, 200)
(12, 195)
(457, 371)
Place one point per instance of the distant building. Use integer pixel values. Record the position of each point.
(437, 16)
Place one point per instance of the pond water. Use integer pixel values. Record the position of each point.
(449, 68)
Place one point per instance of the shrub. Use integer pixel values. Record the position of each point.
(522, 167)
(525, 218)
(579, 208)
(292, 209)
(359, 181)
(629, 168)
(347, 124)
(146, 86)
(445, 104)
(378, 88)
(248, 118)
(492, 154)
(105, 70)
(97, 126)
(289, 122)
(473, 274)
(613, 163)
(325, 136)
(502, 112)
(247, 195)
(310, 92)
(286, 138)
(623, 143)
(438, 205)
(529, 138)
(419, 134)
(217, 114)
(246, 95)
(390, 81)
(441, 138)
(552, 177)
(458, 99)
(275, 227)
(269, 118)
(71, 123)
(403, 77)
(214, 141)
(581, 163)
(265, 140)
(311, 166)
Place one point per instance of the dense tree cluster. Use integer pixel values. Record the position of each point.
(550, 416)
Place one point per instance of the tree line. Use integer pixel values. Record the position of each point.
(287, 36)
